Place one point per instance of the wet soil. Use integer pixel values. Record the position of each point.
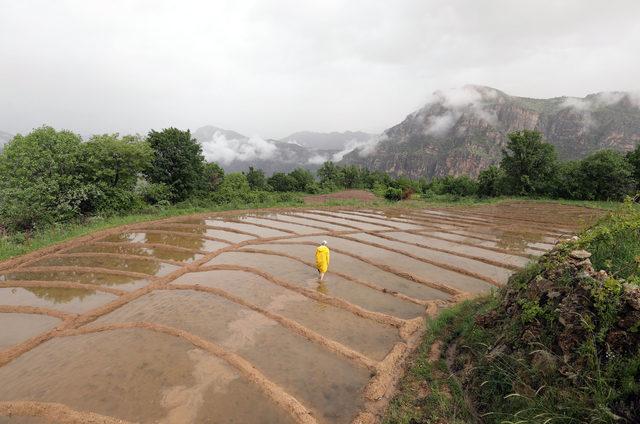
(221, 318)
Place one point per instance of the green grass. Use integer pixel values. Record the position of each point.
(429, 393)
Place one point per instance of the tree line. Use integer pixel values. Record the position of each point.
(530, 167)
(51, 177)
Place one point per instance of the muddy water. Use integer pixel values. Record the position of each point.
(404, 263)
(201, 229)
(499, 274)
(505, 258)
(362, 270)
(61, 299)
(188, 242)
(16, 328)
(284, 357)
(306, 276)
(378, 220)
(136, 375)
(134, 265)
(252, 229)
(132, 249)
(297, 219)
(122, 282)
(370, 338)
(511, 242)
(260, 219)
(334, 219)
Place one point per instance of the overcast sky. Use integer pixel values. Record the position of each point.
(273, 67)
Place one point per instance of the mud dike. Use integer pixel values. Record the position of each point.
(219, 318)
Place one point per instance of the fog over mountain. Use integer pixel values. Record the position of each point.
(236, 152)
(461, 131)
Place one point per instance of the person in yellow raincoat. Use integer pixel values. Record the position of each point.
(322, 259)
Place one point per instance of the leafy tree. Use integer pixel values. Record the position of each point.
(633, 157)
(304, 180)
(212, 175)
(41, 183)
(256, 179)
(112, 166)
(529, 163)
(177, 161)
(568, 183)
(457, 186)
(350, 177)
(282, 182)
(491, 182)
(328, 173)
(605, 175)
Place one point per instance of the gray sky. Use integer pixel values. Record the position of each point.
(273, 67)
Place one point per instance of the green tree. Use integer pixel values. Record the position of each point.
(177, 161)
(41, 181)
(112, 166)
(529, 163)
(569, 181)
(282, 182)
(304, 180)
(212, 175)
(256, 179)
(491, 182)
(329, 173)
(633, 157)
(605, 175)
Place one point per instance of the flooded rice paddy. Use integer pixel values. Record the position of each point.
(221, 318)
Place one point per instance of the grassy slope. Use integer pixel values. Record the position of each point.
(431, 393)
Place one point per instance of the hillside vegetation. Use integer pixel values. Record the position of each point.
(560, 343)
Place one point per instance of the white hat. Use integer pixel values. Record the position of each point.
(324, 242)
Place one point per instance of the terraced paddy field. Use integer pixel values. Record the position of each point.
(220, 318)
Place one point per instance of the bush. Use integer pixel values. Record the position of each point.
(491, 182)
(605, 175)
(393, 193)
(282, 182)
(462, 186)
(154, 193)
(41, 183)
(256, 179)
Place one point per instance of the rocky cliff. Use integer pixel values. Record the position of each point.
(462, 131)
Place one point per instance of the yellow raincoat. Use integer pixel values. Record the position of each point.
(322, 258)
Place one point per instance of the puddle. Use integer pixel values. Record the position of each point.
(362, 270)
(497, 273)
(287, 359)
(404, 263)
(133, 249)
(252, 229)
(61, 299)
(121, 282)
(378, 220)
(513, 260)
(299, 229)
(200, 228)
(365, 336)
(305, 276)
(327, 226)
(139, 376)
(134, 265)
(193, 243)
(333, 219)
(17, 328)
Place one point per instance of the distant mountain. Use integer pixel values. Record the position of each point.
(462, 131)
(327, 141)
(236, 152)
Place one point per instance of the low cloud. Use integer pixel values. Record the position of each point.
(226, 150)
(456, 102)
(317, 159)
(585, 106)
(363, 148)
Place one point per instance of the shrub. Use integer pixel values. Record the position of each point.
(154, 193)
(41, 183)
(393, 193)
(491, 182)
